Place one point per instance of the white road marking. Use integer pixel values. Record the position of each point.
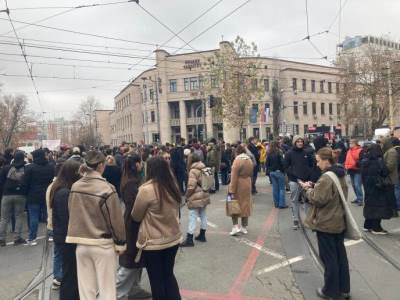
(38, 238)
(352, 242)
(280, 265)
(261, 248)
(212, 225)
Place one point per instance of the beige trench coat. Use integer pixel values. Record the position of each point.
(240, 186)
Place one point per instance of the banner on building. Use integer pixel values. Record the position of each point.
(253, 114)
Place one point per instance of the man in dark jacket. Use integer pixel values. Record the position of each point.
(213, 160)
(13, 197)
(37, 178)
(252, 146)
(179, 166)
(298, 166)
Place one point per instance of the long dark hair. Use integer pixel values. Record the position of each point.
(274, 148)
(129, 170)
(160, 173)
(67, 176)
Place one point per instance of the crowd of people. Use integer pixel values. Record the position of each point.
(127, 202)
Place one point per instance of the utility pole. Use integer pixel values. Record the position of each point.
(391, 117)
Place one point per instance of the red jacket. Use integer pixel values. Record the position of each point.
(352, 158)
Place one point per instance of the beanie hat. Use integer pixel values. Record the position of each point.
(296, 138)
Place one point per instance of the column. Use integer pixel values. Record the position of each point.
(182, 117)
(209, 122)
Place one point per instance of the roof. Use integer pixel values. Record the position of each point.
(133, 80)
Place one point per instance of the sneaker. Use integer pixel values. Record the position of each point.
(50, 239)
(31, 243)
(379, 232)
(366, 229)
(355, 201)
(283, 207)
(56, 284)
(244, 230)
(2, 243)
(321, 294)
(19, 241)
(235, 230)
(140, 294)
(296, 225)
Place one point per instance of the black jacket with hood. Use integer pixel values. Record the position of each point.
(10, 186)
(298, 163)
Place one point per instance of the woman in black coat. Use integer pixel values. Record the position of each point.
(377, 206)
(59, 195)
(130, 273)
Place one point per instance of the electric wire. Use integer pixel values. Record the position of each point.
(77, 6)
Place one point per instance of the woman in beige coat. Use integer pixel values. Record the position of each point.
(240, 189)
(197, 201)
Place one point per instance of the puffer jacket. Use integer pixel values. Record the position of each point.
(195, 196)
(390, 157)
(327, 212)
(352, 162)
(159, 224)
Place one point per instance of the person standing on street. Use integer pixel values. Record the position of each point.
(112, 173)
(390, 157)
(298, 166)
(226, 158)
(240, 189)
(37, 178)
(13, 199)
(213, 161)
(129, 272)
(252, 146)
(352, 165)
(96, 226)
(157, 209)
(275, 169)
(327, 219)
(58, 198)
(197, 200)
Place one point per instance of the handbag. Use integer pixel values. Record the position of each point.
(232, 206)
(352, 231)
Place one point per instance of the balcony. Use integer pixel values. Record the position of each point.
(175, 122)
(195, 121)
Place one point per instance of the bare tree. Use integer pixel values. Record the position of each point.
(85, 116)
(365, 93)
(235, 69)
(13, 118)
(276, 108)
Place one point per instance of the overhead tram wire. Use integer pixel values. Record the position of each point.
(63, 78)
(77, 6)
(183, 29)
(26, 60)
(337, 15)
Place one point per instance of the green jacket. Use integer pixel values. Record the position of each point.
(391, 160)
(213, 158)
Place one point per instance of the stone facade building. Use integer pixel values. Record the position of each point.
(166, 103)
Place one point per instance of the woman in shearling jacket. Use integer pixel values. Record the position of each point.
(327, 219)
(197, 201)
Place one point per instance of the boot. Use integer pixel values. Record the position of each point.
(189, 241)
(202, 236)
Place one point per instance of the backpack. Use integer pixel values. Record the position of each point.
(207, 179)
(15, 176)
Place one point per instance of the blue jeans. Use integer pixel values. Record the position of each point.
(33, 212)
(357, 186)
(397, 193)
(278, 188)
(193, 214)
(57, 261)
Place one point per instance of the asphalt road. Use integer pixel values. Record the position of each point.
(272, 261)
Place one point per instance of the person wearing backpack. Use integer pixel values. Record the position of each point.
(13, 198)
(197, 198)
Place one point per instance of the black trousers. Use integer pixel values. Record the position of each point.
(334, 257)
(160, 268)
(374, 224)
(69, 284)
(216, 179)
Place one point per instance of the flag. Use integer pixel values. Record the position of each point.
(266, 114)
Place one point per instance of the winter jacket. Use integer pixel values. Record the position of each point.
(77, 158)
(178, 162)
(95, 214)
(263, 154)
(377, 203)
(112, 173)
(37, 178)
(390, 157)
(159, 224)
(226, 159)
(254, 150)
(195, 196)
(128, 194)
(352, 161)
(212, 156)
(60, 215)
(275, 162)
(10, 186)
(327, 212)
(298, 164)
(119, 159)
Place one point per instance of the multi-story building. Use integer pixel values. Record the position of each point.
(166, 103)
(102, 126)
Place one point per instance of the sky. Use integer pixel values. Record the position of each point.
(268, 23)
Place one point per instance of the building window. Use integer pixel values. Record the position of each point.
(322, 108)
(338, 109)
(314, 108)
(313, 86)
(295, 108)
(172, 86)
(186, 84)
(201, 82)
(330, 108)
(304, 84)
(305, 108)
(296, 128)
(214, 82)
(337, 88)
(194, 83)
(266, 85)
(321, 86)
(330, 87)
(151, 92)
(305, 129)
(254, 84)
(294, 84)
(152, 116)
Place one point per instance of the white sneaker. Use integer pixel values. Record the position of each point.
(31, 243)
(244, 230)
(235, 230)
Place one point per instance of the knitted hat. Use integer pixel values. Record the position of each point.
(296, 138)
(94, 158)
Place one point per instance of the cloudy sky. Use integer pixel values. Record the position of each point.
(269, 23)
